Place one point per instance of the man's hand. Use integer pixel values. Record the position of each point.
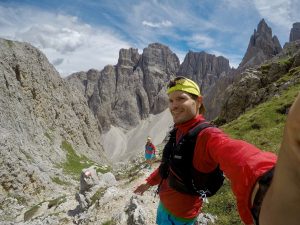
(141, 189)
(281, 203)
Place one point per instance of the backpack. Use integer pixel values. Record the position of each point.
(177, 166)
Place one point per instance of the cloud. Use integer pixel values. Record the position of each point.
(181, 20)
(164, 23)
(281, 15)
(57, 62)
(62, 39)
(68, 43)
(200, 41)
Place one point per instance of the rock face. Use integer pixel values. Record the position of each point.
(204, 68)
(262, 83)
(215, 97)
(262, 46)
(39, 112)
(128, 92)
(295, 32)
(85, 81)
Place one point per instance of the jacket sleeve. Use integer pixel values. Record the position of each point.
(241, 162)
(154, 178)
(154, 149)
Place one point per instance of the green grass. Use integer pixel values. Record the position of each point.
(48, 136)
(263, 125)
(56, 202)
(223, 205)
(99, 193)
(59, 181)
(133, 173)
(75, 163)
(9, 43)
(109, 222)
(288, 61)
(265, 68)
(31, 212)
(294, 71)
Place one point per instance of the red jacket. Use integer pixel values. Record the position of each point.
(150, 148)
(241, 162)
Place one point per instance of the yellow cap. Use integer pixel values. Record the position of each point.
(183, 84)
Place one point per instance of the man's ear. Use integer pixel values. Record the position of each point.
(200, 100)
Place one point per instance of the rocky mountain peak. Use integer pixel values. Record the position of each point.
(128, 57)
(124, 94)
(204, 68)
(262, 46)
(295, 32)
(263, 28)
(160, 56)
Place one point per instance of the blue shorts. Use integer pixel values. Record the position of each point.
(165, 218)
(149, 156)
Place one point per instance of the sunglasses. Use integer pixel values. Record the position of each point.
(177, 80)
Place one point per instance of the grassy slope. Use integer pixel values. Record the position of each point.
(261, 126)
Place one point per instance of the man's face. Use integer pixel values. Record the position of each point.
(183, 107)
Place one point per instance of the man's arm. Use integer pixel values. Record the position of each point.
(141, 188)
(281, 204)
(153, 179)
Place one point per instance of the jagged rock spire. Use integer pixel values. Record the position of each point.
(295, 32)
(262, 46)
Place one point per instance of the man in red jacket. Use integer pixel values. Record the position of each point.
(246, 166)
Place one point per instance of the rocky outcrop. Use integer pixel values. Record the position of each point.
(159, 64)
(128, 92)
(204, 68)
(262, 46)
(43, 121)
(215, 97)
(260, 84)
(92, 188)
(295, 32)
(85, 81)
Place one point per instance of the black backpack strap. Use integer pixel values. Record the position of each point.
(167, 151)
(197, 129)
(264, 183)
(166, 157)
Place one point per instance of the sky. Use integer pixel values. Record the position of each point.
(78, 35)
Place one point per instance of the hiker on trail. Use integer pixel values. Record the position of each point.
(197, 153)
(150, 151)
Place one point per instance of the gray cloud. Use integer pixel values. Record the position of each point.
(71, 45)
(57, 62)
(62, 39)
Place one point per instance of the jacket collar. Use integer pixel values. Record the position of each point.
(185, 127)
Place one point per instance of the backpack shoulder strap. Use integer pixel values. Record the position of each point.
(198, 128)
